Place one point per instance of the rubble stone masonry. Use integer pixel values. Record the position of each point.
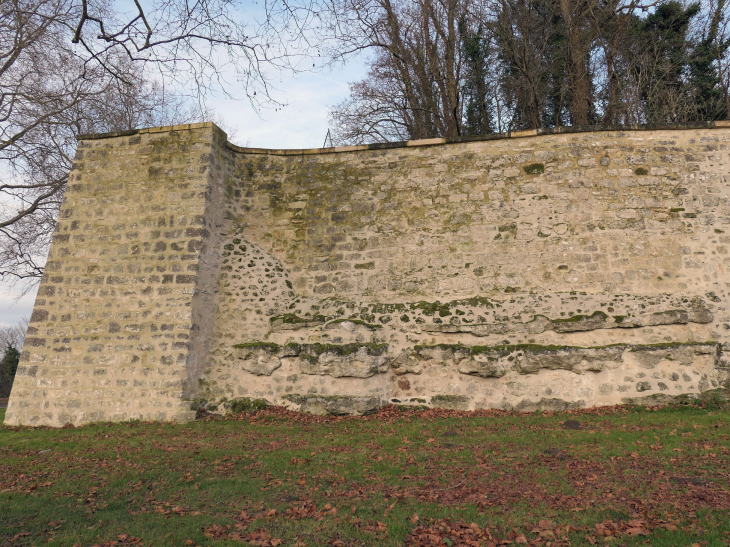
(556, 269)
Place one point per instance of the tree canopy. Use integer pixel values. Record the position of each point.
(461, 67)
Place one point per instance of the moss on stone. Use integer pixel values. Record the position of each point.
(534, 169)
(371, 326)
(450, 402)
(506, 349)
(318, 349)
(268, 346)
(449, 398)
(431, 308)
(245, 404)
(577, 318)
(668, 345)
(292, 319)
(387, 308)
(641, 171)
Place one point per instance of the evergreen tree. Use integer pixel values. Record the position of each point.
(476, 90)
(8, 368)
(707, 93)
(664, 54)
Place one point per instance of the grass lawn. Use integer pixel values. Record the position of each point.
(612, 476)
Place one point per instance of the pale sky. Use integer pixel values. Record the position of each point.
(303, 123)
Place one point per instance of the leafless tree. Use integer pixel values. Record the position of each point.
(49, 94)
(414, 87)
(13, 335)
(550, 63)
(202, 41)
(79, 66)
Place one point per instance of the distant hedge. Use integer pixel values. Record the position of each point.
(8, 367)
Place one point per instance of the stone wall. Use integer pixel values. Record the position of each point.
(527, 271)
(128, 285)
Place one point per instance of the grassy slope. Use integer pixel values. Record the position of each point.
(391, 479)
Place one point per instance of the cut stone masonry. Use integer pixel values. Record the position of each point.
(535, 270)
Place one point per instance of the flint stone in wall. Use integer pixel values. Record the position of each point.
(670, 317)
(451, 402)
(284, 325)
(581, 323)
(496, 362)
(352, 326)
(362, 363)
(700, 315)
(406, 363)
(336, 405)
(658, 399)
(477, 330)
(723, 367)
(485, 365)
(538, 325)
(577, 360)
(259, 360)
(346, 360)
(684, 354)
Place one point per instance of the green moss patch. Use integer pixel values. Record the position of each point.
(268, 346)
(245, 404)
(338, 349)
(669, 345)
(578, 318)
(371, 326)
(292, 319)
(534, 169)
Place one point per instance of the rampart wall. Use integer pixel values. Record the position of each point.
(530, 271)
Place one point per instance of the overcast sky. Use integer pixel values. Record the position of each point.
(303, 123)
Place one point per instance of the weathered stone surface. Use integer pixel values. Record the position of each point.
(577, 360)
(260, 360)
(669, 317)
(579, 323)
(485, 365)
(596, 277)
(451, 402)
(335, 405)
(124, 314)
(552, 405)
(343, 360)
(406, 363)
(361, 363)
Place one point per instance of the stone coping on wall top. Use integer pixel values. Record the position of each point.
(422, 142)
(161, 129)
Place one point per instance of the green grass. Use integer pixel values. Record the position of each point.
(394, 478)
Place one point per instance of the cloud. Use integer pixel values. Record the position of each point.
(303, 122)
(12, 308)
